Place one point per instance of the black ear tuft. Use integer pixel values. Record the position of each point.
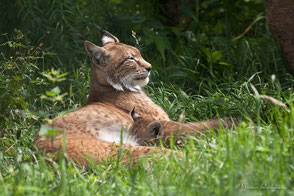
(79, 36)
(135, 116)
(108, 38)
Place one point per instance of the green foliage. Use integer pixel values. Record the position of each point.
(200, 27)
(210, 59)
(54, 94)
(18, 81)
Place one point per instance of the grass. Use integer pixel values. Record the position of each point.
(242, 161)
(205, 74)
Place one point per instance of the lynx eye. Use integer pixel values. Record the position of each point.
(132, 58)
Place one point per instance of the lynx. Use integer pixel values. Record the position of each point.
(98, 129)
(152, 132)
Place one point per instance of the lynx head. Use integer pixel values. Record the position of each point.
(122, 65)
(147, 132)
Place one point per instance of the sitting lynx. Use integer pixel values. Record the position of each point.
(117, 75)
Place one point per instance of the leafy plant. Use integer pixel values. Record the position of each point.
(54, 95)
(211, 58)
(19, 81)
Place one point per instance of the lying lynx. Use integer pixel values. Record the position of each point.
(117, 75)
(152, 132)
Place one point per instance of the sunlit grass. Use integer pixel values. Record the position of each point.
(249, 160)
(209, 76)
(255, 160)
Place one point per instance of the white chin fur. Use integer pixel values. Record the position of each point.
(115, 85)
(141, 83)
(129, 83)
(134, 85)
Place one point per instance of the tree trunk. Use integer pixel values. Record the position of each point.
(280, 18)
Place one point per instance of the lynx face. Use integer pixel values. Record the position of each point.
(146, 132)
(123, 66)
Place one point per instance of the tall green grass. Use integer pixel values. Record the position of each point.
(201, 70)
(243, 161)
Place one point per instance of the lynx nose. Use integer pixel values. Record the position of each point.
(148, 69)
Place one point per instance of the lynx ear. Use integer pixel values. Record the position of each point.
(97, 53)
(108, 38)
(155, 128)
(135, 116)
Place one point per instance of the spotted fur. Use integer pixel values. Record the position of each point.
(101, 127)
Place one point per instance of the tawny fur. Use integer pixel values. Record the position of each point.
(83, 149)
(152, 132)
(117, 74)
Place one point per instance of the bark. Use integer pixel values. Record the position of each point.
(280, 18)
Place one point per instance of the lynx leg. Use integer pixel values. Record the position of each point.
(218, 123)
(91, 149)
(82, 150)
(180, 130)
